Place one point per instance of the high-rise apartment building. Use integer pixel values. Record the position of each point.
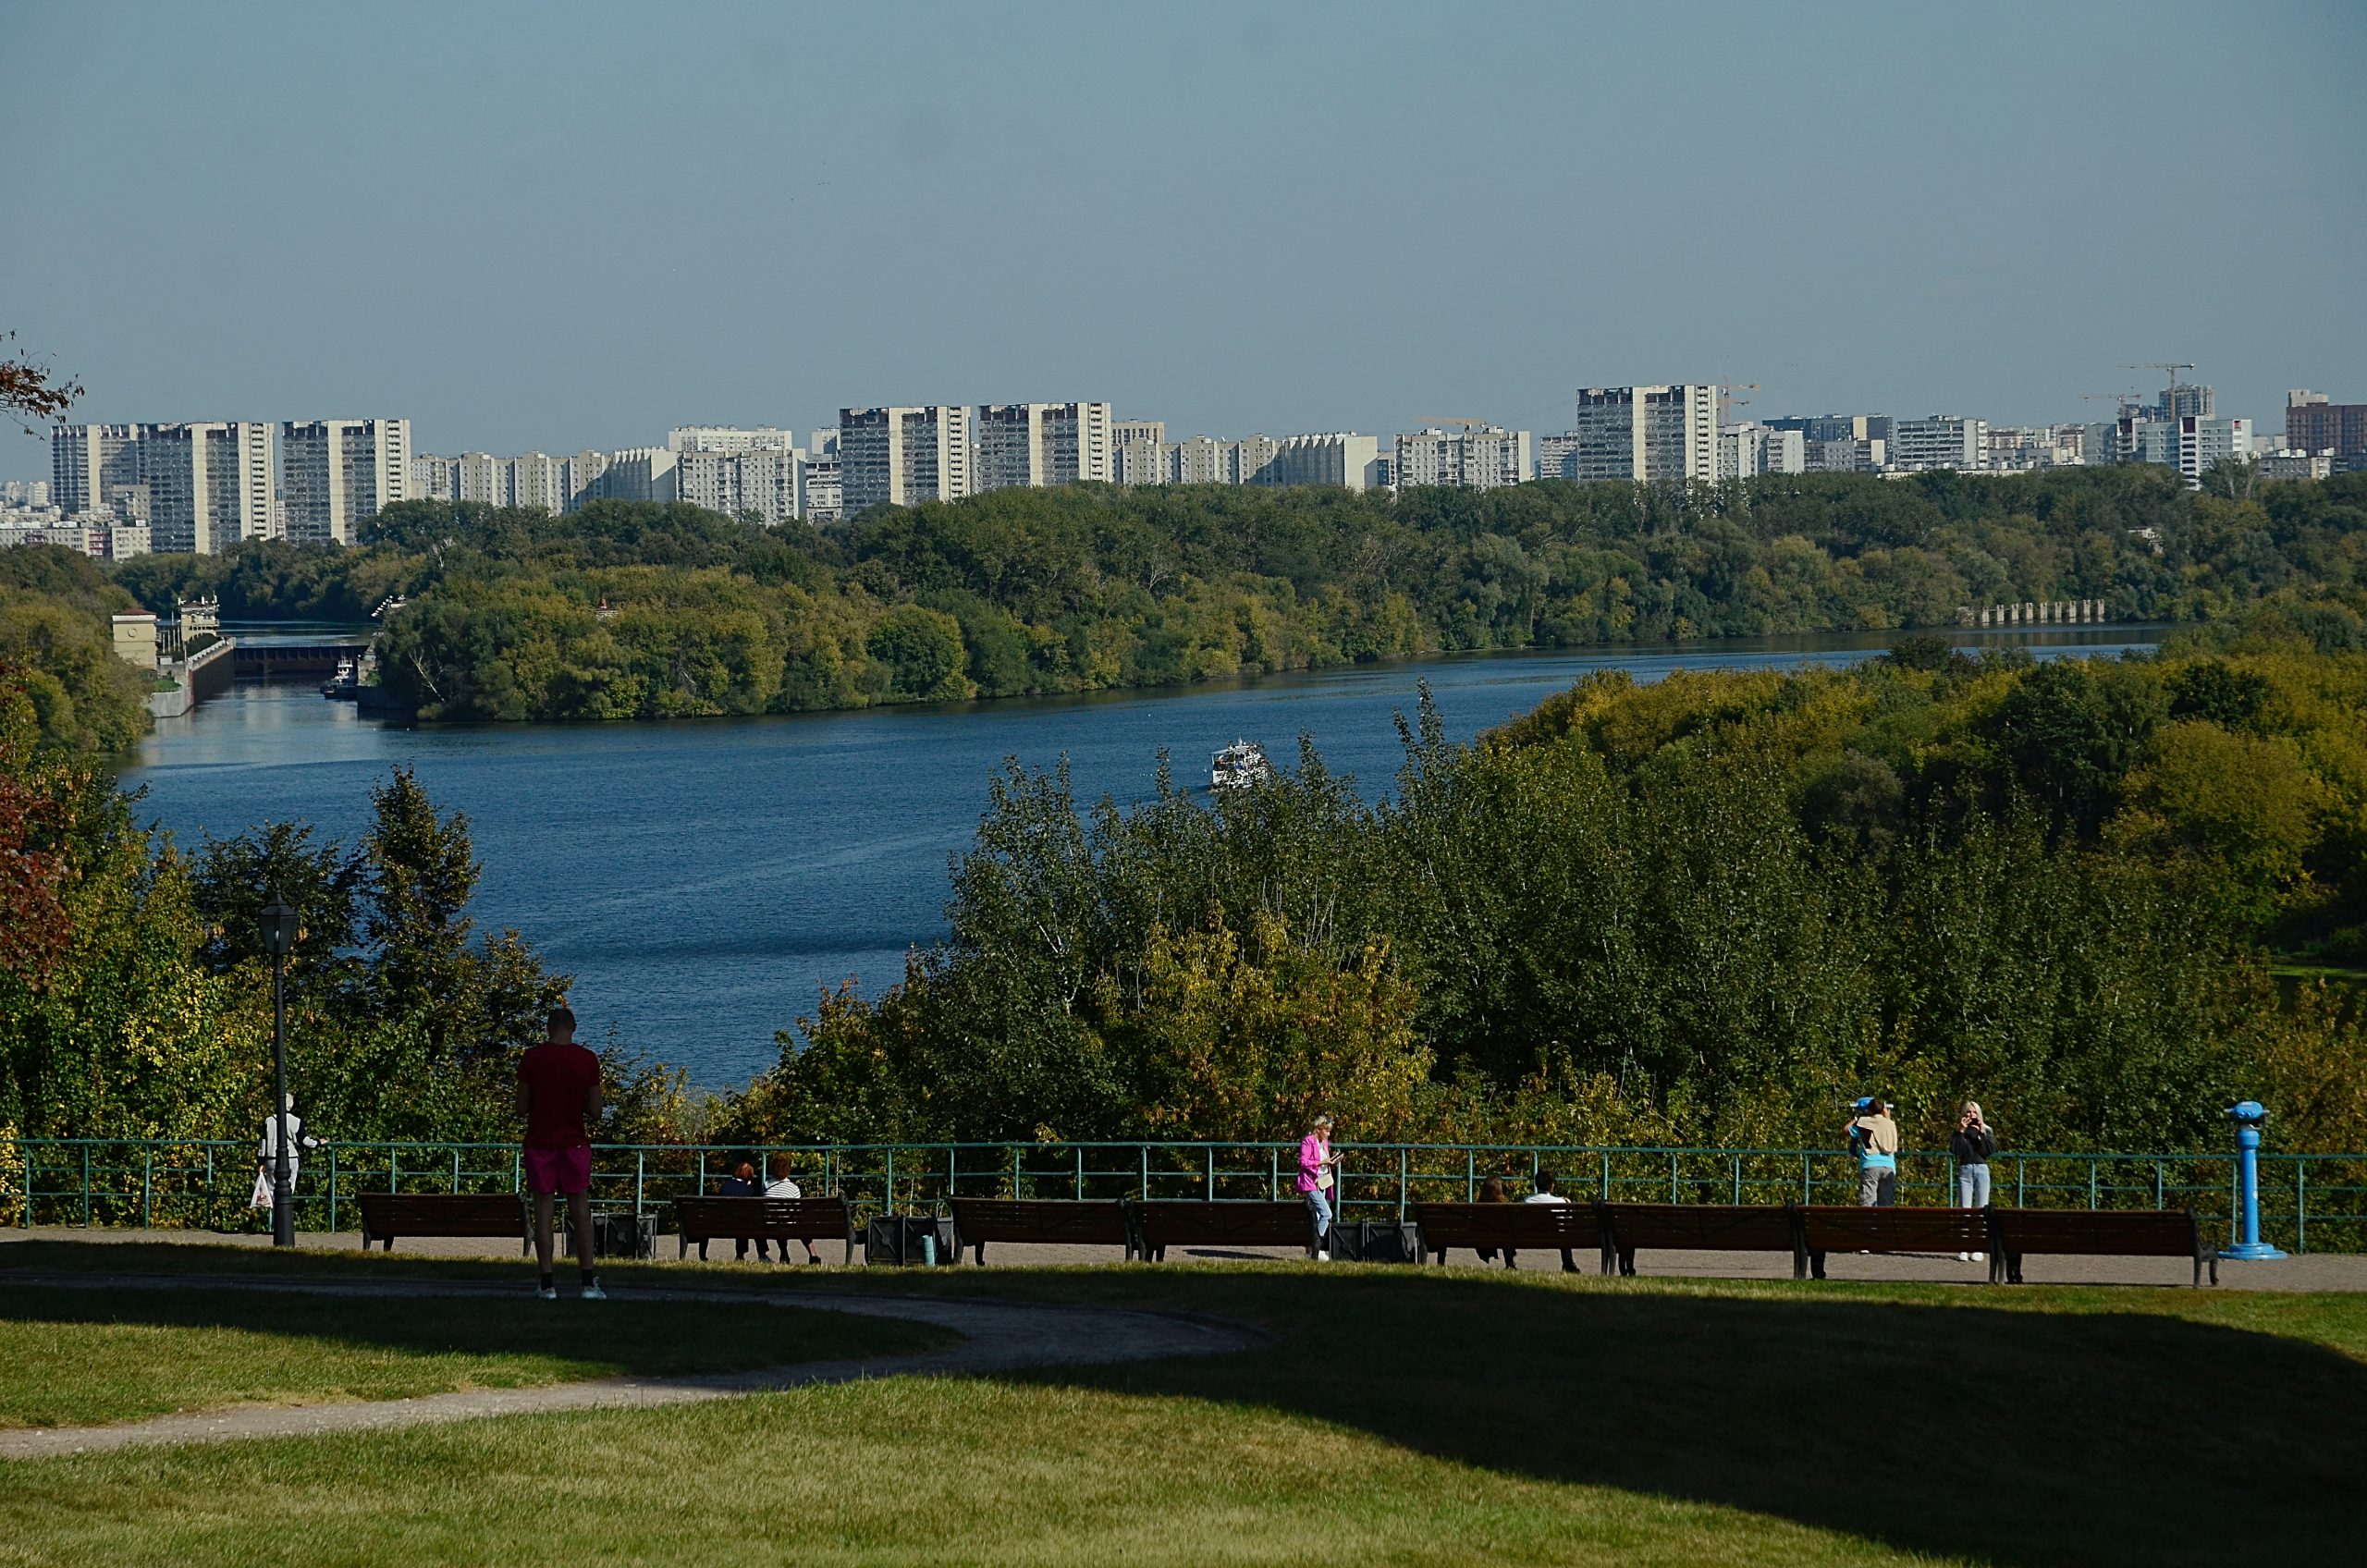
(87, 463)
(824, 492)
(1039, 444)
(1138, 451)
(1647, 434)
(208, 485)
(2190, 444)
(335, 475)
(766, 483)
(1749, 449)
(641, 474)
(1202, 459)
(1474, 458)
(1868, 454)
(730, 438)
(903, 456)
(1940, 441)
(2313, 423)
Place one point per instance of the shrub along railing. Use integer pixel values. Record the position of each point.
(2306, 1200)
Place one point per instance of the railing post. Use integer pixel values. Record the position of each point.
(147, 1186)
(1080, 1172)
(456, 1169)
(1404, 1171)
(394, 1167)
(640, 1180)
(332, 1189)
(1605, 1193)
(1737, 1181)
(1273, 1174)
(890, 1209)
(1805, 1158)
(86, 1184)
(703, 1173)
(1672, 1175)
(2160, 1196)
(1470, 1174)
(1213, 1173)
(2301, 1206)
(2092, 1182)
(1145, 1151)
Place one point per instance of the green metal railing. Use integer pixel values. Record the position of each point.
(2306, 1200)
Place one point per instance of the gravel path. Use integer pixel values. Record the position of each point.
(995, 1337)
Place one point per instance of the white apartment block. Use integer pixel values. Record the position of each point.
(2288, 463)
(26, 492)
(335, 475)
(579, 477)
(1863, 454)
(902, 455)
(730, 438)
(1747, 450)
(1039, 444)
(1938, 441)
(1649, 435)
(1331, 458)
(1557, 456)
(824, 488)
(1202, 460)
(1138, 451)
(205, 485)
(641, 474)
(101, 535)
(1250, 458)
(1477, 458)
(770, 484)
(2190, 444)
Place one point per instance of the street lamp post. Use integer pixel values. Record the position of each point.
(279, 926)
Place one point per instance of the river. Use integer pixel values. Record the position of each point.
(703, 879)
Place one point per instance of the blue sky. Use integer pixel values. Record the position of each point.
(556, 227)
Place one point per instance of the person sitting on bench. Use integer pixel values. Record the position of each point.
(780, 1186)
(741, 1184)
(1545, 1194)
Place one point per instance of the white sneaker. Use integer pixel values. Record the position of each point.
(594, 1293)
(1981, 1257)
(1323, 1257)
(547, 1292)
(1964, 1257)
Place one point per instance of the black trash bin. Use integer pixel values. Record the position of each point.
(1376, 1241)
(907, 1238)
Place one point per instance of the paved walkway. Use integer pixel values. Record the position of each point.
(2314, 1272)
(995, 1337)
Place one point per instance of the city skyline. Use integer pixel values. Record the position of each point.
(833, 210)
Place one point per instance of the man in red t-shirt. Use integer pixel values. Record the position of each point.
(559, 1094)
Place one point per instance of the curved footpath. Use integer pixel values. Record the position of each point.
(995, 1337)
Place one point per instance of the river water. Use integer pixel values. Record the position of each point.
(703, 879)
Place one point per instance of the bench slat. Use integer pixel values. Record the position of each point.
(703, 1220)
(1197, 1222)
(1040, 1221)
(386, 1216)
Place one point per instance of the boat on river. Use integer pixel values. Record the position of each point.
(1238, 767)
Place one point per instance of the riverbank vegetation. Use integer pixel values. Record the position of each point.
(638, 611)
(55, 629)
(1708, 911)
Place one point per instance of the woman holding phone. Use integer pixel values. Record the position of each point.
(1972, 1144)
(1317, 1169)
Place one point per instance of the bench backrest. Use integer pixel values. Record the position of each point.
(711, 1219)
(1704, 1227)
(1511, 1225)
(1846, 1228)
(387, 1215)
(1196, 1222)
(2168, 1233)
(1040, 1219)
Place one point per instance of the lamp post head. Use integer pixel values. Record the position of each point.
(2248, 1113)
(279, 922)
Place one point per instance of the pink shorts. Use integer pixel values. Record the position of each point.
(564, 1172)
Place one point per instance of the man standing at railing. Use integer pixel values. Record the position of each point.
(559, 1094)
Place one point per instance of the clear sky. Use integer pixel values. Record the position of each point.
(569, 225)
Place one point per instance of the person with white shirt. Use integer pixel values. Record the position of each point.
(1545, 1194)
(266, 1151)
(780, 1186)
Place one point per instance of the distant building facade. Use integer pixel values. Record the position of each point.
(2313, 423)
(335, 475)
(1474, 458)
(1649, 435)
(1041, 444)
(903, 456)
(1938, 441)
(766, 483)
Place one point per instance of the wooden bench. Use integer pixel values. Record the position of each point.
(1830, 1228)
(704, 1219)
(1704, 1227)
(1508, 1227)
(2165, 1233)
(386, 1216)
(1041, 1222)
(1196, 1222)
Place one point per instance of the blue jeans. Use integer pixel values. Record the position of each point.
(1972, 1186)
(1320, 1206)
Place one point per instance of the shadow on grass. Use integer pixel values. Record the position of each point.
(2109, 1433)
(2009, 1436)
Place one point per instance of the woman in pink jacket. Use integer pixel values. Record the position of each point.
(1316, 1164)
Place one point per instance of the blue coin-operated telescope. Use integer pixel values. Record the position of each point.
(2248, 1115)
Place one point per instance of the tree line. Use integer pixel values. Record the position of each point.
(627, 610)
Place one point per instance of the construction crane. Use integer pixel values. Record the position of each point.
(2170, 403)
(2123, 398)
(1726, 390)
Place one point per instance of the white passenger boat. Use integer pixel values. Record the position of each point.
(1238, 767)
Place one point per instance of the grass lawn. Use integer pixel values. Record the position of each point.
(83, 1357)
(1399, 1417)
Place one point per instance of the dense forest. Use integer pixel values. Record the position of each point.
(1705, 911)
(636, 611)
(54, 632)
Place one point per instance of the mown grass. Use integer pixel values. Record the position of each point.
(78, 1357)
(1397, 1417)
